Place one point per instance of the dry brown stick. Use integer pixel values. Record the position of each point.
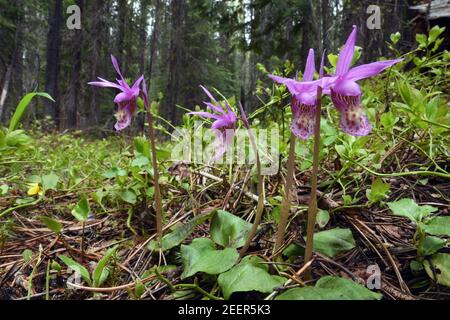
(402, 283)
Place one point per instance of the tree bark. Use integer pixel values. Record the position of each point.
(53, 47)
(175, 61)
(75, 87)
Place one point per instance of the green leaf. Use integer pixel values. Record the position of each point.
(99, 274)
(229, 230)
(22, 106)
(27, 254)
(395, 37)
(429, 245)
(331, 288)
(202, 256)
(140, 161)
(251, 274)
(78, 268)
(177, 236)
(409, 209)
(52, 224)
(142, 146)
(332, 58)
(128, 196)
(435, 32)
(333, 242)
(50, 181)
(378, 191)
(421, 40)
(438, 226)
(81, 210)
(441, 264)
(17, 138)
(323, 217)
(4, 189)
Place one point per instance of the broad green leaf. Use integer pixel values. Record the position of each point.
(128, 196)
(323, 217)
(99, 274)
(438, 226)
(50, 181)
(294, 250)
(331, 288)
(229, 230)
(17, 138)
(22, 106)
(202, 256)
(81, 210)
(78, 268)
(378, 191)
(52, 224)
(409, 209)
(430, 245)
(177, 236)
(333, 242)
(140, 161)
(114, 172)
(142, 146)
(441, 264)
(4, 189)
(251, 274)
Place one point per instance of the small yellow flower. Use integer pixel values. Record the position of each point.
(35, 189)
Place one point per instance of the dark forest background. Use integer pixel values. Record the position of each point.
(177, 44)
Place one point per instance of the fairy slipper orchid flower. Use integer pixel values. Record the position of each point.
(126, 99)
(346, 93)
(304, 96)
(224, 124)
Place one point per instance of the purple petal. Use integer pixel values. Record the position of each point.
(214, 107)
(354, 121)
(310, 67)
(220, 123)
(209, 95)
(303, 121)
(124, 97)
(346, 55)
(205, 115)
(224, 139)
(123, 119)
(138, 82)
(116, 66)
(345, 94)
(369, 70)
(105, 84)
(347, 88)
(308, 98)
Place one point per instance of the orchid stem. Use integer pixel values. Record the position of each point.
(158, 206)
(312, 209)
(260, 205)
(286, 204)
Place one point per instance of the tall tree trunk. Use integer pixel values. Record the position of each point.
(75, 88)
(175, 60)
(122, 11)
(15, 63)
(154, 40)
(53, 46)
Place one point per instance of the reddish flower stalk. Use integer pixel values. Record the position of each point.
(260, 188)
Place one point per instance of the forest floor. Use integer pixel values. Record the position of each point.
(51, 177)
